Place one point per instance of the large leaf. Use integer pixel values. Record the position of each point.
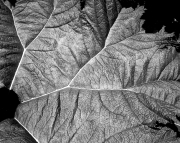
(92, 74)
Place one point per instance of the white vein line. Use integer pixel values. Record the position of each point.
(42, 28)
(44, 94)
(26, 129)
(85, 66)
(103, 89)
(22, 54)
(90, 89)
(17, 69)
(27, 46)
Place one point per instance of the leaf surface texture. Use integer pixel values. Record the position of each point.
(92, 74)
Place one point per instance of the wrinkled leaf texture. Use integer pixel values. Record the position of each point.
(88, 75)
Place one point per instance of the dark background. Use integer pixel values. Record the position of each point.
(159, 13)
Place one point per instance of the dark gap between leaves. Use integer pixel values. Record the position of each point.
(9, 101)
(156, 125)
(12, 2)
(82, 3)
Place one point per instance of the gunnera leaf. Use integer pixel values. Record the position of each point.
(91, 74)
